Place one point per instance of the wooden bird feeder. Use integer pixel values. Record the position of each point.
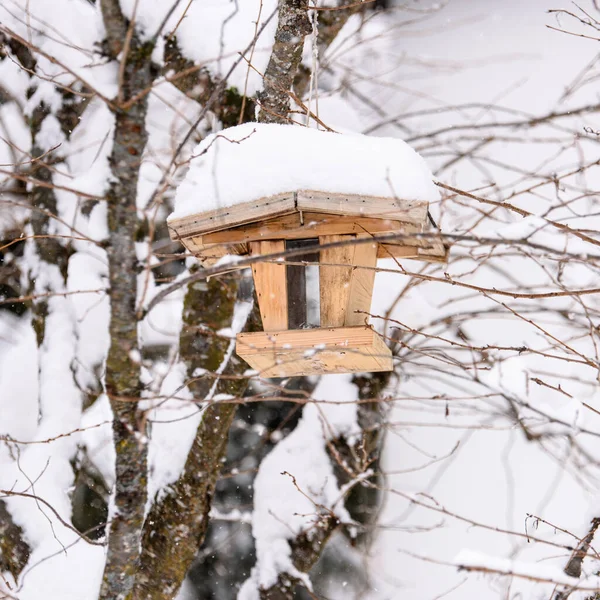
(314, 306)
(325, 199)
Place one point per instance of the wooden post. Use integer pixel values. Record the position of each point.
(361, 283)
(345, 290)
(270, 282)
(334, 282)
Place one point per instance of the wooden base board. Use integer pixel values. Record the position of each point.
(315, 351)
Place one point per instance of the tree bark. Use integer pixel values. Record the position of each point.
(293, 26)
(575, 562)
(330, 23)
(116, 27)
(176, 525)
(14, 550)
(123, 385)
(196, 83)
(306, 550)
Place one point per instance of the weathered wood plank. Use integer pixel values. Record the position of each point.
(372, 207)
(334, 281)
(407, 211)
(393, 251)
(209, 254)
(308, 214)
(361, 283)
(231, 216)
(270, 282)
(436, 253)
(308, 225)
(315, 351)
(345, 290)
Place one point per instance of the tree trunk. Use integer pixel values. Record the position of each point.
(123, 385)
(293, 26)
(176, 525)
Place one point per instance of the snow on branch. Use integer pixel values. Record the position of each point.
(470, 560)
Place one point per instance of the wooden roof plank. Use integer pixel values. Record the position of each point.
(374, 207)
(344, 205)
(232, 216)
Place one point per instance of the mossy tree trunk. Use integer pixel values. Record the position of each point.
(177, 523)
(123, 385)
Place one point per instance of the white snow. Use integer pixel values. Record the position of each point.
(241, 312)
(71, 574)
(19, 375)
(255, 160)
(174, 422)
(97, 437)
(213, 33)
(66, 32)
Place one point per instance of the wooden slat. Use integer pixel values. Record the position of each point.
(197, 244)
(270, 283)
(308, 225)
(194, 245)
(231, 216)
(209, 254)
(393, 251)
(437, 253)
(305, 214)
(315, 351)
(361, 283)
(372, 207)
(407, 211)
(345, 290)
(334, 282)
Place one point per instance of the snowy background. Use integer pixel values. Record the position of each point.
(483, 54)
(465, 485)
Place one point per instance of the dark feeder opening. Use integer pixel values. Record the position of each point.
(303, 286)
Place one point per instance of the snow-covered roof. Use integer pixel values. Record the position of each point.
(255, 160)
